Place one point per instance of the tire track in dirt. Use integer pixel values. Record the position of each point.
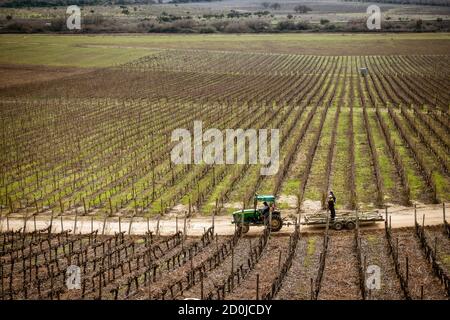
(267, 268)
(181, 272)
(217, 276)
(340, 278)
(442, 244)
(375, 249)
(297, 285)
(420, 271)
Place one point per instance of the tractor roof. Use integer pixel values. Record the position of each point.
(244, 211)
(265, 197)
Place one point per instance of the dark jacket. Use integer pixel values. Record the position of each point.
(334, 197)
(331, 203)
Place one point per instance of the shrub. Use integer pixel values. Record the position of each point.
(261, 13)
(257, 25)
(220, 25)
(292, 26)
(208, 29)
(167, 18)
(58, 25)
(302, 9)
(236, 27)
(184, 24)
(286, 25)
(93, 19)
(18, 27)
(419, 24)
(236, 14)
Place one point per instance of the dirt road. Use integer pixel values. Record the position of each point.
(400, 217)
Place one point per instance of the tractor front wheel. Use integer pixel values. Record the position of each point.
(277, 223)
(245, 228)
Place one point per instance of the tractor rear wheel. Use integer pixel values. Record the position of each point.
(277, 223)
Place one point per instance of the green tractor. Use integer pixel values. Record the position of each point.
(256, 217)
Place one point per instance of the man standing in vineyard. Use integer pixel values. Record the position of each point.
(331, 204)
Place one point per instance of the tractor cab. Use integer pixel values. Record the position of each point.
(256, 217)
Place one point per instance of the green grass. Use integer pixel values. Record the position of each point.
(446, 260)
(339, 179)
(291, 186)
(107, 50)
(64, 51)
(415, 181)
(364, 176)
(317, 174)
(310, 250)
(387, 167)
(441, 186)
(372, 239)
